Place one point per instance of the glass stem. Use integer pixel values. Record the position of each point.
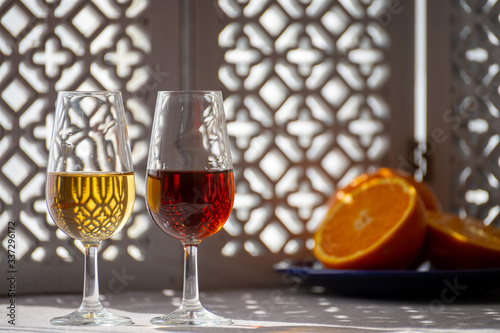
(91, 300)
(190, 295)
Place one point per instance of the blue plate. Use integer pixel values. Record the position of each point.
(403, 283)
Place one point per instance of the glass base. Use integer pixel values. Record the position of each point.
(91, 318)
(191, 317)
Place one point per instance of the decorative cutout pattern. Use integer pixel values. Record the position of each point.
(305, 101)
(475, 118)
(47, 46)
(306, 112)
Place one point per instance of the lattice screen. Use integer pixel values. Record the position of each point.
(306, 109)
(305, 86)
(66, 45)
(475, 117)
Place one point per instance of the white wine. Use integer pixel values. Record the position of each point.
(90, 206)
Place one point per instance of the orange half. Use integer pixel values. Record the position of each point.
(455, 243)
(380, 224)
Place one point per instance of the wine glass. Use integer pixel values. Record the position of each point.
(190, 185)
(90, 185)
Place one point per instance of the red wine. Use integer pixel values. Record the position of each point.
(190, 205)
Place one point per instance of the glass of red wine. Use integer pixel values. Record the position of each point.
(190, 185)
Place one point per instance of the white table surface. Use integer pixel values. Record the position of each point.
(269, 310)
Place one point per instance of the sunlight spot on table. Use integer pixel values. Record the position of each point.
(379, 318)
(332, 309)
(295, 312)
(168, 292)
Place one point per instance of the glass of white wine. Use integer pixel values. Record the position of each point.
(90, 185)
